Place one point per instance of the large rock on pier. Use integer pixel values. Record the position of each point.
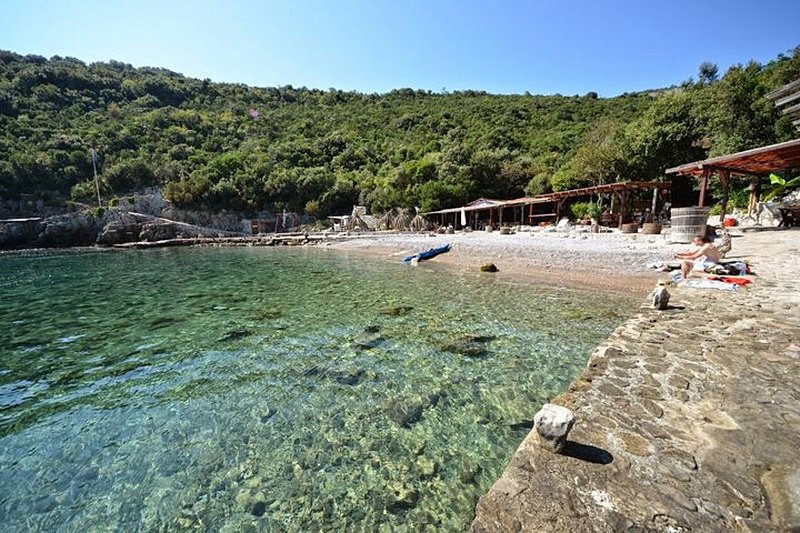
(552, 424)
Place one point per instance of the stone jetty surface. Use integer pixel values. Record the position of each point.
(687, 419)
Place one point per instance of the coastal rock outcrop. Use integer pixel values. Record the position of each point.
(74, 229)
(118, 232)
(157, 231)
(18, 233)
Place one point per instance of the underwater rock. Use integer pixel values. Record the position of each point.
(269, 314)
(352, 376)
(395, 310)
(470, 472)
(553, 424)
(489, 267)
(269, 414)
(368, 342)
(259, 508)
(401, 497)
(406, 412)
(468, 345)
(235, 335)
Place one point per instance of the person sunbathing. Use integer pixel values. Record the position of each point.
(704, 256)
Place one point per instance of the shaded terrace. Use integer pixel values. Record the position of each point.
(545, 207)
(758, 162)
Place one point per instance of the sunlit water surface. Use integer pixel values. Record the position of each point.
(269, 389)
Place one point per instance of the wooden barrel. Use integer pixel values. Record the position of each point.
(688, 222)
(651, 228)
(629, 228)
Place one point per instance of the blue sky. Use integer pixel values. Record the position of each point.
(539, 46)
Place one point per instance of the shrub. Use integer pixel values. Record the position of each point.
(594, 210)
(579, 209)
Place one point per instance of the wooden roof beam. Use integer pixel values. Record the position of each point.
(786, 99)
(782, 90)
(793, 109)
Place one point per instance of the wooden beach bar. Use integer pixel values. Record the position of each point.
(543, 207)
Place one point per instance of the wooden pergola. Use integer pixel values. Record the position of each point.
(621, 190)
(757, 162)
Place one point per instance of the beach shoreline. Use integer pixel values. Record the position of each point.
(610, 263)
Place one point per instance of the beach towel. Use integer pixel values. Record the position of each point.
(709, 284)
(728, 279)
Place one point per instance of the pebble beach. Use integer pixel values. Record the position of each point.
(612, 262)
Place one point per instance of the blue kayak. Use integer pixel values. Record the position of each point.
(427, 254)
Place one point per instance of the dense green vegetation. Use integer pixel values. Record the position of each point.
(229, 146)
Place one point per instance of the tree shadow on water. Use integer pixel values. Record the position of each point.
(588, 453)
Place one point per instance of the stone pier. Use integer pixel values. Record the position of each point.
(688, 419)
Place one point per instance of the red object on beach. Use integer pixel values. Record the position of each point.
(730, 279)
(729, 222)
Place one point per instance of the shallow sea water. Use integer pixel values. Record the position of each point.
(269, 389)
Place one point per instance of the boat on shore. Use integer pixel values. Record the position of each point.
(427, 254)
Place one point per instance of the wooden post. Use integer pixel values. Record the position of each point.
(654, 205)
(500, 222)
(623, 207)
(703, 186)
(724, 178)
(755, 196)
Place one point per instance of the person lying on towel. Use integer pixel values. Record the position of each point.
(704, 256)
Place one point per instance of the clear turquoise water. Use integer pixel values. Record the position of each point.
(269, 389)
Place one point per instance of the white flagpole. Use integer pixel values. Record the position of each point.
(96, 183)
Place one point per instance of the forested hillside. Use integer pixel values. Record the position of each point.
(234, 147)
